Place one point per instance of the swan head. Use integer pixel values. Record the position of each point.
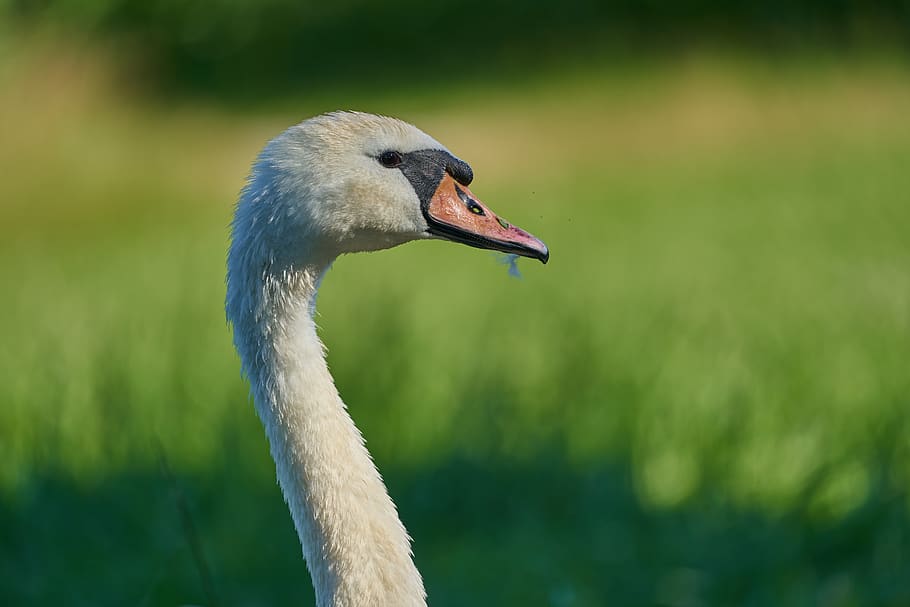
(345, 182)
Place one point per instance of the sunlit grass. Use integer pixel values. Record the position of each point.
(727, 307)
(712, 275)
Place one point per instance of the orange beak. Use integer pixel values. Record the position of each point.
(454, 213)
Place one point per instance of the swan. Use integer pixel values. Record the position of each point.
(342, 182)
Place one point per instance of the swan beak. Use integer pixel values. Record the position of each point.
(454, 213)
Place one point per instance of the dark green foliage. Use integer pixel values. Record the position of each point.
(533, 533)
(248, 49)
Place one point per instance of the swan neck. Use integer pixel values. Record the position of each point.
(357, 551)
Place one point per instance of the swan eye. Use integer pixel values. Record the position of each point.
(475, 208)
(390, 160)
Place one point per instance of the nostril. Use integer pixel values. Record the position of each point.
(469, 202)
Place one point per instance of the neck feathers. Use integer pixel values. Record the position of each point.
(355, 546)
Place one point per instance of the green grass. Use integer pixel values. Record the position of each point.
(701, 400)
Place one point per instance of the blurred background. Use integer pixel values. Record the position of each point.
(704, 398)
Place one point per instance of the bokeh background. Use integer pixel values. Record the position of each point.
(704, 398)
